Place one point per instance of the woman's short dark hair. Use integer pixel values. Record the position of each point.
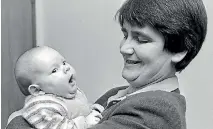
(183, 23)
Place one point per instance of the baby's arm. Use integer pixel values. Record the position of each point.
(48, 114)
(49, 111)
(45, 118)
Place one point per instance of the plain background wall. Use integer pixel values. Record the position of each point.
(17, 37)
(86, 33)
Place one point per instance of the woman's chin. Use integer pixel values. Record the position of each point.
(129, 76)
(135, 80)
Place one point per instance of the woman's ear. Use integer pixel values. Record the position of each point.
(177, 57)
(35, 90)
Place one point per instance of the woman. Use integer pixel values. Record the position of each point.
(161, 37)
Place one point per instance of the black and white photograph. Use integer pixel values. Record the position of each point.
(106, 64)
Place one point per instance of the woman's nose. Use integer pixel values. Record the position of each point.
(126, 48)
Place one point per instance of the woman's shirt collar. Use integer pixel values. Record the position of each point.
(167, 85)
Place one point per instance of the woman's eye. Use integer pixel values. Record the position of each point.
(54, 70)
(64, 62)
(141, 40)
(144, 41)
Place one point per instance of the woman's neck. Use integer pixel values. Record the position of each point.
(158, 84)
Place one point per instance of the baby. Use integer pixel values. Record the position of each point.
(49, 82)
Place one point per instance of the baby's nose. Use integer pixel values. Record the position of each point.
(66, 69)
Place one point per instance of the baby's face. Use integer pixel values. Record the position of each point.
(54, 75)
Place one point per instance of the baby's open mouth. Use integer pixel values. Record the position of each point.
(71, 79)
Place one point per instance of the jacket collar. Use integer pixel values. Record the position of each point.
(168, 85)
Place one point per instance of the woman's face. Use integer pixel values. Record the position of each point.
(145, 61)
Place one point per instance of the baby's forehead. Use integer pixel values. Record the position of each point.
(45, 53)
(48, 57)
(43, 50)
(43, 57)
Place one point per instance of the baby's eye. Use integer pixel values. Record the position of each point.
(64, 62)
(54, 70)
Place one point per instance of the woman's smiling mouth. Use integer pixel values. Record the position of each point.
(132, 62)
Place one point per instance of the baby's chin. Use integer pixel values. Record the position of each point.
(70, 96)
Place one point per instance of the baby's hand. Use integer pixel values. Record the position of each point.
(93, 118)
(97, 107)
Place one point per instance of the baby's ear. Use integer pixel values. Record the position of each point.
(35, 90)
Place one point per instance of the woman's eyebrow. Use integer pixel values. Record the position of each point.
(138, 33)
